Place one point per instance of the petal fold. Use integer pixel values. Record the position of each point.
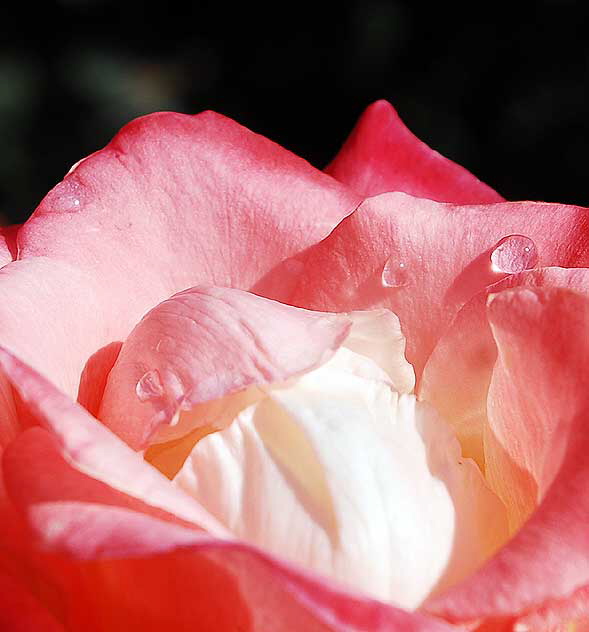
(205, 343)
(171, 202)
(535, 449)
(424, 260)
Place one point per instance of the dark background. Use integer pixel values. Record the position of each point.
(504, 92)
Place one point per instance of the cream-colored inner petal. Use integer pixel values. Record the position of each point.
(337, 472)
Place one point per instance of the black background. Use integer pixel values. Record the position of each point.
(502, 90)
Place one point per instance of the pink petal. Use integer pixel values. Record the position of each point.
(20, 611)
(172, 201)
(382, 155)
(457, 375)
(176, 577)
(35, 471)
(10, 424)
(424, 260)
(93, 450)
(536, 452)
(205, 343)
(8, 244)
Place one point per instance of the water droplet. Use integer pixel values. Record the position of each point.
(149, 386)
(394, 273)
(66, 197)
(514, 254)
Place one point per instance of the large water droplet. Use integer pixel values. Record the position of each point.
(514, 254)
(394, 273)
(149, 386)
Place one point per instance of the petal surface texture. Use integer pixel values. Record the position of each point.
(382, 155)
(338, 473)
(205, 343)
(424, 260)
(172, 201)
(535, 450)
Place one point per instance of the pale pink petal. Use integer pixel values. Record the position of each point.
(172, 201)
(382, 155)
(93, 450)
(536, 452)
(205, 343)
(35, 471)
(423, 260)
(333, 471)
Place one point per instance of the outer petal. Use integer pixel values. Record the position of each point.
(205, 343)
(382, 155)
(8, 244)
(539, 396)
(436, 256)
(93, 450)
(172, 201)
(220, 586)
(21, 612)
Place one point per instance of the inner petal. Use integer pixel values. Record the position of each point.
(337, 472)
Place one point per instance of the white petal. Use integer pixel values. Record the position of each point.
(337, 473)
(377, 334)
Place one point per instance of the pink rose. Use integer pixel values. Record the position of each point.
(241, 394)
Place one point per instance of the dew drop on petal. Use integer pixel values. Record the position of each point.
(394, 273)
(513, 254)
(149, 386)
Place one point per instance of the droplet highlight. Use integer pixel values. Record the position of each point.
(394, 273)
(149, 386)
(514, 254)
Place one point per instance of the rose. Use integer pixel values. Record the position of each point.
(299, 413)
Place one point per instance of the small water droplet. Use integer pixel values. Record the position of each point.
(76, 202)
(513, 254)
(149, 386)
(394, 273)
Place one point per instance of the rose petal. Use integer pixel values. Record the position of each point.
(223, 586)
(424, 260)
(539, 395)
(382, 155)
(205, 343)
(172, 201)
(21, 611)
(457, 375)
(7, 244)
(334, 473)
(93, 450)
(377, 335)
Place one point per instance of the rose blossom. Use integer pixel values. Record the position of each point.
(241, 394)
